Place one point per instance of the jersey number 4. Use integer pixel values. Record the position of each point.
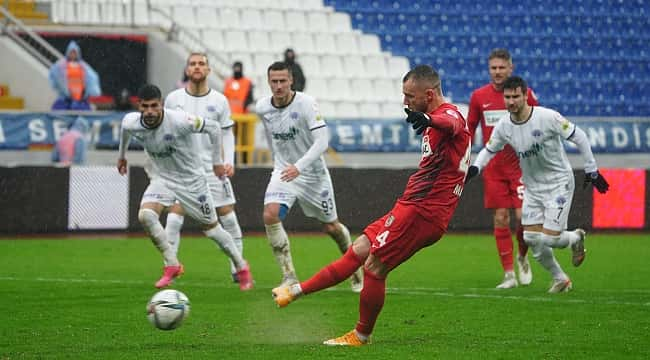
(381, 238)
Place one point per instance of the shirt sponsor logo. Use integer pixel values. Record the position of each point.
(290, 135)
(167, 152)
(533, 151)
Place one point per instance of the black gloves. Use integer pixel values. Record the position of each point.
(597, 180)
(472, 171)
(419, 120)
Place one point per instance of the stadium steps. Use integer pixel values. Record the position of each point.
(8, 102)
(25, 10)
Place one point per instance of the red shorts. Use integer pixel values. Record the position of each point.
(398, 235)
(503, 193)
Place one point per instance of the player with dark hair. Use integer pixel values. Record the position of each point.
(168, 139)
(536, 133)
(502, 186)
(419, 218)
(298, 137)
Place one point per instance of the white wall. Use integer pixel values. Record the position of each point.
(26, 77)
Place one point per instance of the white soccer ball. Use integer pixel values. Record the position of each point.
(167, 309)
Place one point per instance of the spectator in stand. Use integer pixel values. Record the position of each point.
(123, 101)
(71, 148)
(238, 89)
(73, 80)
(299, 81)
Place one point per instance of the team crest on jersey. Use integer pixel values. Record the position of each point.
(560, 200)
(211, 108)
(294, 115)
(537, 133)
(168, 137)
(565, 124)
(389, 220)
(202, 198)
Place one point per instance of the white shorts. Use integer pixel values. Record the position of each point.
(194, 197)
(315, 196)
(550, 208)
(221, 190)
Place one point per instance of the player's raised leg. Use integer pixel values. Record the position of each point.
(341, 235)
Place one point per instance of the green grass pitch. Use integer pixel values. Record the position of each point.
(85, 299)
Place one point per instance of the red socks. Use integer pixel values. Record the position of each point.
(504, 246)
(371, 302)
(523, 247)
(332, 274)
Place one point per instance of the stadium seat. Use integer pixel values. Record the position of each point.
(325, 43)
(295, 21)
(259, 41)
(262, 61)
(369, 44)
(281, 40)
(362, 90)
(327, 109)
(354, 66)
(331, 66)
(317, 22)
(347, 110)
(340, 89)
(310, 65)
(398, 66)
(274, 20)
(214, 39)
(207, 18)
(317, 87)
(251, 19)
(346, 43)
(236, 40)
(376, 66)
(184, 15)
(370, 110)
(339, 22)
(229, 18)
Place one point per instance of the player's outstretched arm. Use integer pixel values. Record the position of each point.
(481, 161)
(420, 121)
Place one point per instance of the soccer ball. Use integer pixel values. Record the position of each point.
(167, 309)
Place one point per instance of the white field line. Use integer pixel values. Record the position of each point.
(416, 291)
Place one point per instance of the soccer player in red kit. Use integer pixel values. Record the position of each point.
(502, 186)
(420, 216)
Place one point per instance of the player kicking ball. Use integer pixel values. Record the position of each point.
(419, 218)
(536, 134)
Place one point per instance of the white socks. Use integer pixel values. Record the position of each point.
(544, 254)
(231, 225)
(149, 220)
(173, 230)
(225, 242)
(342, 238)
(281, 250)
(566, 238)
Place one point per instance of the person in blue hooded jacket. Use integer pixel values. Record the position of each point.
(73, 80)
(71, 148)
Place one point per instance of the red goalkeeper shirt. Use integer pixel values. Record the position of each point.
(486, 106)
(438, 183)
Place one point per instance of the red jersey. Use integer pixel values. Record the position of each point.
(434, 189)
(487, 106)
